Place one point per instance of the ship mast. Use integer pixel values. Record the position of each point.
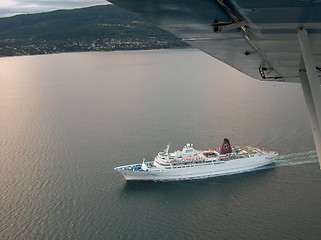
(166, 150)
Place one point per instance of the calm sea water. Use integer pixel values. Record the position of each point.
(67, 120)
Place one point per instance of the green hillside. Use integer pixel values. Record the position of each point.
(98, 28)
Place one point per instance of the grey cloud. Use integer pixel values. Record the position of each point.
(26, 6)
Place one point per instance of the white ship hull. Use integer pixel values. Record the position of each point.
(204, 170)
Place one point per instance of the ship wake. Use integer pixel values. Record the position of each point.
(294, 159)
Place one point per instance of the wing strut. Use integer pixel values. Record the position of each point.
(311, 88)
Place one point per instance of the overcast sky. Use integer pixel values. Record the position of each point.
(14, 7)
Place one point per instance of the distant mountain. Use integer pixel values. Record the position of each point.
(98, 28)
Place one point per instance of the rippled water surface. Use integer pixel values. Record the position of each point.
(67, 120)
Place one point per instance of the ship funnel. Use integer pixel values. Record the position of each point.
(226, 147)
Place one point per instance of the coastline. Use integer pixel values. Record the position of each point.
(34, 49)
(188, 48)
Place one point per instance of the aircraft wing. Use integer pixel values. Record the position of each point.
(259, 38)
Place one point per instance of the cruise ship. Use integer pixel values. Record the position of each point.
(190, 163)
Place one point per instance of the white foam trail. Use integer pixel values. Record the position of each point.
(293, 159)
(297, 159)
